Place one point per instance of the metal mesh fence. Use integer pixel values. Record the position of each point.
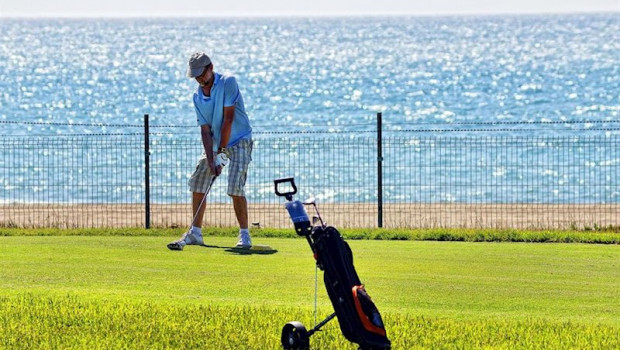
(503, 182)
(70, 182)
(427, 181)
(339, 173)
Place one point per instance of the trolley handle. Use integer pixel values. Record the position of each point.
(278, 182)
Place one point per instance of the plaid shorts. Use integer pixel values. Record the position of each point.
(240, 158)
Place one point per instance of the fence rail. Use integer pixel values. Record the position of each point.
(368, 180)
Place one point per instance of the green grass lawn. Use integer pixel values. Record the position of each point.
(131, 292)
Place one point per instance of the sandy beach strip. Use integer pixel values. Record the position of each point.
(365, 215)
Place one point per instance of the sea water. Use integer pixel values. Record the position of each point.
(476, 76)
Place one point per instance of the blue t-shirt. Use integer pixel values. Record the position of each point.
(210, 110)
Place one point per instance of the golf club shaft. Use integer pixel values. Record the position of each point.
(221, 160)
(211, 181)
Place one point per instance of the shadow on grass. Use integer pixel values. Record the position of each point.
(257, 249)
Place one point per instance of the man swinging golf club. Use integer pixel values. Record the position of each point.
(226, 133)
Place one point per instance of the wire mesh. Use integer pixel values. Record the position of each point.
(428, 180)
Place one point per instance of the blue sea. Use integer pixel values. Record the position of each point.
(93, 76)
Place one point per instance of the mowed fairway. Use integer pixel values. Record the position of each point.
(131, 292)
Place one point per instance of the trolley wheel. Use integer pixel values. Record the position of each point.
(295, 336)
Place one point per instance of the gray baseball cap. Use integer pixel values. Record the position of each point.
(197, 64)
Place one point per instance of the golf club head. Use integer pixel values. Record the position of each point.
(316, 221)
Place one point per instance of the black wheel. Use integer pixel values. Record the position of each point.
(295, 336)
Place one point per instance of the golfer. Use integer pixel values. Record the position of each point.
(224, 128)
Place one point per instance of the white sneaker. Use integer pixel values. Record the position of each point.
(245, 241)
(188, 238)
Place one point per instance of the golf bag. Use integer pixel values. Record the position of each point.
(358, 317)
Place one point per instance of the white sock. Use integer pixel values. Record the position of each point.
(197, 230)
(244, 230)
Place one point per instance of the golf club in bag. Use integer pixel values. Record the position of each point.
(359, 318)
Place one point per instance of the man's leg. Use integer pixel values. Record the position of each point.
(193, 236)
(241, 211)
(198, 210)
(237, 174)
(199, 183)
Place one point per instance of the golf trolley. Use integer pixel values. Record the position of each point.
(359, 318)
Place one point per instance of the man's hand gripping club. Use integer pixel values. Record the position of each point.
(221, 160)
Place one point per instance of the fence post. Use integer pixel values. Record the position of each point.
(147, 184)
(379, 172)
